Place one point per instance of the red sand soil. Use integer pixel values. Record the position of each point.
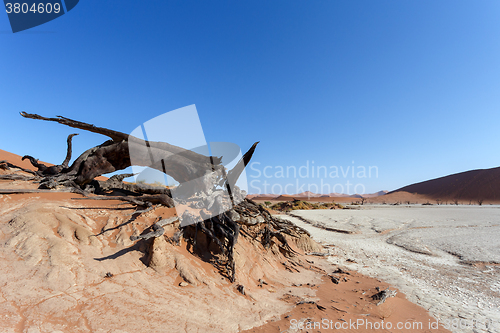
(349, 307)
(350, 300)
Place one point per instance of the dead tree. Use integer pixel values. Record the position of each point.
(208, 173)
(113, 155)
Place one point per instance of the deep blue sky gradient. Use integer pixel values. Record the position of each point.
(412, 87)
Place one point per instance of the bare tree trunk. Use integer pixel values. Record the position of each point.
(182, 165)
(113, 155)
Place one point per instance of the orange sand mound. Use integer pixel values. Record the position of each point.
(349, 307)
(16, 160)
(69, 265)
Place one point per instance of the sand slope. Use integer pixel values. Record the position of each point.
(69, 265)
(470, 185)
(16, 160)
(58, 275)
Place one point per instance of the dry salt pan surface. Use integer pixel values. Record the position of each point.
(444, 258)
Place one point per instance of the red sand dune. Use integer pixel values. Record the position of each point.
(376, 194)
(16, 159)
(69, 265)
(470, 185)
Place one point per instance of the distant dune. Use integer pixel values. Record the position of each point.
(307, 194)
(310, 196)
(482, 184)
(374, 195)
(464, 187)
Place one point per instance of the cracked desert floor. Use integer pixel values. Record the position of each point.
(444, 258)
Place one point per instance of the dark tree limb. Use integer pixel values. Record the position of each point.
(119, 136)
(17, 177)
(65, 163)
(55, 169)
(200, 178)
(234, 174)
(114, 135)
(158, 229)
(34, 162)
(181, 164)
(20, 191)
(143, 201)
(383, 295)
(5, 165)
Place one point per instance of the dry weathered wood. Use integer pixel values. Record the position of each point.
(181, 164)
(20, 191)
(114, 135)
(158, 229)
(383, 295)
(5, 165)
(144, 200)
(188, 168)
(117, 136)
(55, 169)
(17, 177)
(235, 173)
(65, 163)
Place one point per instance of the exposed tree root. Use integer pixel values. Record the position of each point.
(17, 177)
(220, 225)
(141, 201)
(383, 295)
(4, 165)
(158, 229)
(20, 191)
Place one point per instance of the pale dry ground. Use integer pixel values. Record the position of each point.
(54, 274)
(444, 258)
(69, 266)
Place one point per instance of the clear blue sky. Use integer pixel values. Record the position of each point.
(411, 87)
